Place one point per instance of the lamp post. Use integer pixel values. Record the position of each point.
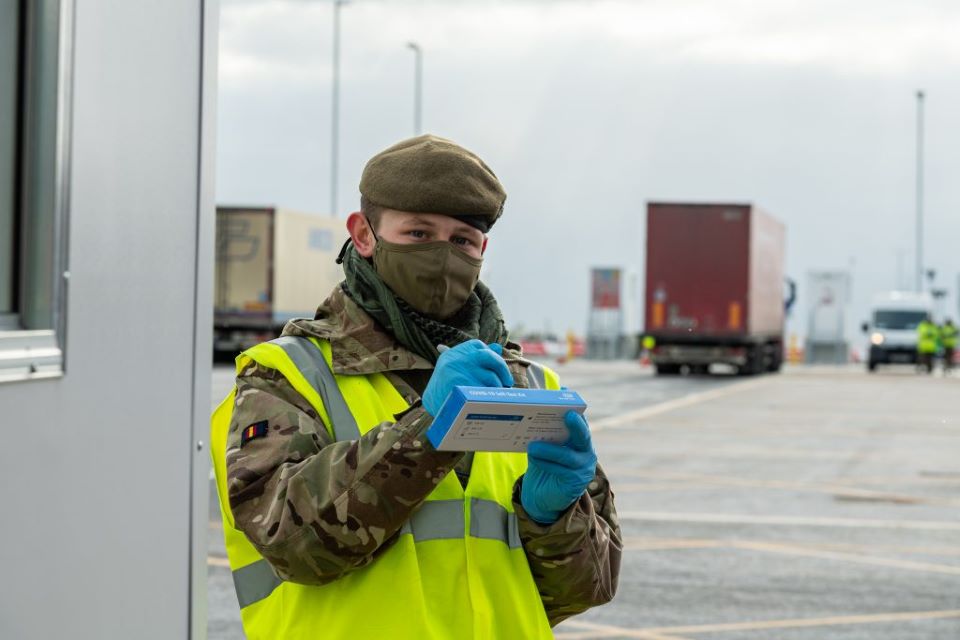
(919, 231)
(335, 110)
(417, 86)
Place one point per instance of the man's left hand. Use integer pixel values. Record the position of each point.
(557, 474)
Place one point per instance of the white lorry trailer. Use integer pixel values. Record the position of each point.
(272, 265)
(892, 329)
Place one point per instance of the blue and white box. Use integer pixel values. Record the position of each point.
(492, 419)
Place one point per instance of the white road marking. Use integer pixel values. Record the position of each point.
(823, 552)
(794, 550)
(697, 480)
(623, 419)
(605, 631)
(592, 630)
(792, 521)
(639, 543)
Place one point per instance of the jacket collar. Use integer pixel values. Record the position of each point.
(361, 346)
(358, 343)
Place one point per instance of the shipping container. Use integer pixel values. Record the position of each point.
(714, 287)
(272, 265)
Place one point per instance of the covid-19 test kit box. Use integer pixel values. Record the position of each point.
(491, 419)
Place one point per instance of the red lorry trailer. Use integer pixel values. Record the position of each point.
(714, 287)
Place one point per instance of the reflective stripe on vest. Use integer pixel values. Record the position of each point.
(536, 378)
(315, 369)
(434, 520)
(254, 582)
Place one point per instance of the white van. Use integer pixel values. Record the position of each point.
(892, 329)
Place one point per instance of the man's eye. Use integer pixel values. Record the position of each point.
(417, 233)
(461, 241)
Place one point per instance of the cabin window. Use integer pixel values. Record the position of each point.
(35, 59)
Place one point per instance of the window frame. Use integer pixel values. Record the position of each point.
(35, 348)
(9, 318)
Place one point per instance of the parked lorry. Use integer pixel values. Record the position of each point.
(894, 316)
(271, 265)
(714, 287)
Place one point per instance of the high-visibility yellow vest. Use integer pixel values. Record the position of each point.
(927, 337)
(948, 333)
(458, 569)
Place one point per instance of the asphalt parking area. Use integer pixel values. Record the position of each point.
(817, 504)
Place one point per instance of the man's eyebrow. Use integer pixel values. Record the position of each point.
(419, 220)
(466, 229)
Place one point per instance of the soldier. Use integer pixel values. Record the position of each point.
(948, 335)
(927, 336)
(340, 517)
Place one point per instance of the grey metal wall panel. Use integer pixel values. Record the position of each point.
(96, 467)
(203, 310)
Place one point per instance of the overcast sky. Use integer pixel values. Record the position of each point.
(586, 110)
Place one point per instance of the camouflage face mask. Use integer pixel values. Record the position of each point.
(435, 278)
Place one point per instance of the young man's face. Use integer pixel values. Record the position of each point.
(402, 227)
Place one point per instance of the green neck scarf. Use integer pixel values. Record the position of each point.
(479, 318)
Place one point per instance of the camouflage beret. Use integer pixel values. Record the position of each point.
(428, 174)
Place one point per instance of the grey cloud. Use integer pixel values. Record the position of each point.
(585, 127)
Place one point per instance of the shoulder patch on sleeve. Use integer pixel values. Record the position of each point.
(256, 430)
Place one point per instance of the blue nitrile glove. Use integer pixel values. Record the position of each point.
(470, 364)
(557, 474)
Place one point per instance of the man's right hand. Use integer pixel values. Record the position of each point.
(469, 364)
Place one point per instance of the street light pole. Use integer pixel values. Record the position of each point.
(919, 232)
(335, 111)
(417, 86)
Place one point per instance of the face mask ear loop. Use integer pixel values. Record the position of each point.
(372, 230)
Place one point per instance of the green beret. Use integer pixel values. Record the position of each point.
(428, 174)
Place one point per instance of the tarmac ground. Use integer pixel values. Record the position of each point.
(818, 503)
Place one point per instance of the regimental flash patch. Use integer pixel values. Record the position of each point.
(256, 430)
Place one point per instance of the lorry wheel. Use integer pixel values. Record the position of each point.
(668, 369)
(775, 357)
(776, 362)
(753, 365)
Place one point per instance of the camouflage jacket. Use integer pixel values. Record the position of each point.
(317, 509)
